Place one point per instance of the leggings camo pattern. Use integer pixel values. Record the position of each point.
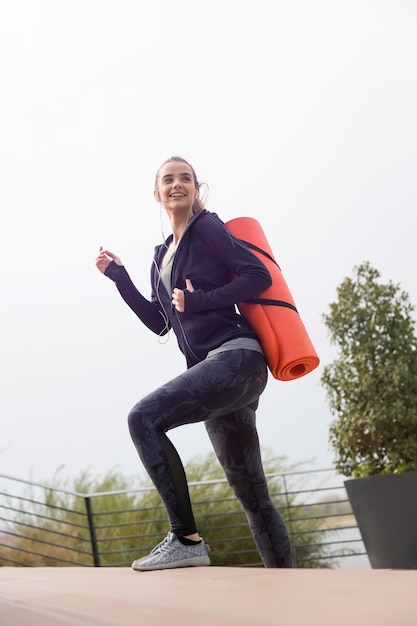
(223, 391)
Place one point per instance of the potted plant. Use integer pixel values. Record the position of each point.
(372, 393)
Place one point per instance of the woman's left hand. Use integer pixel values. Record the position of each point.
(178, 298)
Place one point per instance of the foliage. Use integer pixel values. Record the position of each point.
(372, 386)
(51, 527)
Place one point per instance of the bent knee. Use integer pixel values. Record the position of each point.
(135, 421)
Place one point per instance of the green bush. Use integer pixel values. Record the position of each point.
(372, 385)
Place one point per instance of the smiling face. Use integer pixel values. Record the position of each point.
(176, 187)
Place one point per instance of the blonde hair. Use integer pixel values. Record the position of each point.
(198, 204)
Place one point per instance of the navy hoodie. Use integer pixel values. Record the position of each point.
(209, 256)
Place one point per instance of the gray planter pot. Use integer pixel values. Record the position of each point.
(385, 507)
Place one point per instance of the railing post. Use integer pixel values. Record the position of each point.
(290, 526)
(93, 538)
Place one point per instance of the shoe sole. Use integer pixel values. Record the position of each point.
(195, 561)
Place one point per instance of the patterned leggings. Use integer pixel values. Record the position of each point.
(223, 391)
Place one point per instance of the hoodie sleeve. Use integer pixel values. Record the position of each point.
(150, 313)
(251, 275)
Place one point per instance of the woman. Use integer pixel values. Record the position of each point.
(193, 293)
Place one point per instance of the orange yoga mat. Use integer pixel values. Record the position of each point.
(272, 314)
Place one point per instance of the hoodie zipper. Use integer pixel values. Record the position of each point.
(184, 336)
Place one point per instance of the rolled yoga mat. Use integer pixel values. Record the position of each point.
(272, 314)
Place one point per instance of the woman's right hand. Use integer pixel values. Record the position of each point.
(104, 258)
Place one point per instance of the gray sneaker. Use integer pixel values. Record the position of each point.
(171, 553)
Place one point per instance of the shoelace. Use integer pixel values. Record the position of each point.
(159, 546)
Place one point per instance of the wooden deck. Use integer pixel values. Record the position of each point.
(206, 596)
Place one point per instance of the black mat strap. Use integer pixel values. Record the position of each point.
(253, 247)
(270, 302)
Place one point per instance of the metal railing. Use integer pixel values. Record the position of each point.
(42, 525)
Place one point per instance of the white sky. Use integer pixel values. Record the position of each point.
(302, 114)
